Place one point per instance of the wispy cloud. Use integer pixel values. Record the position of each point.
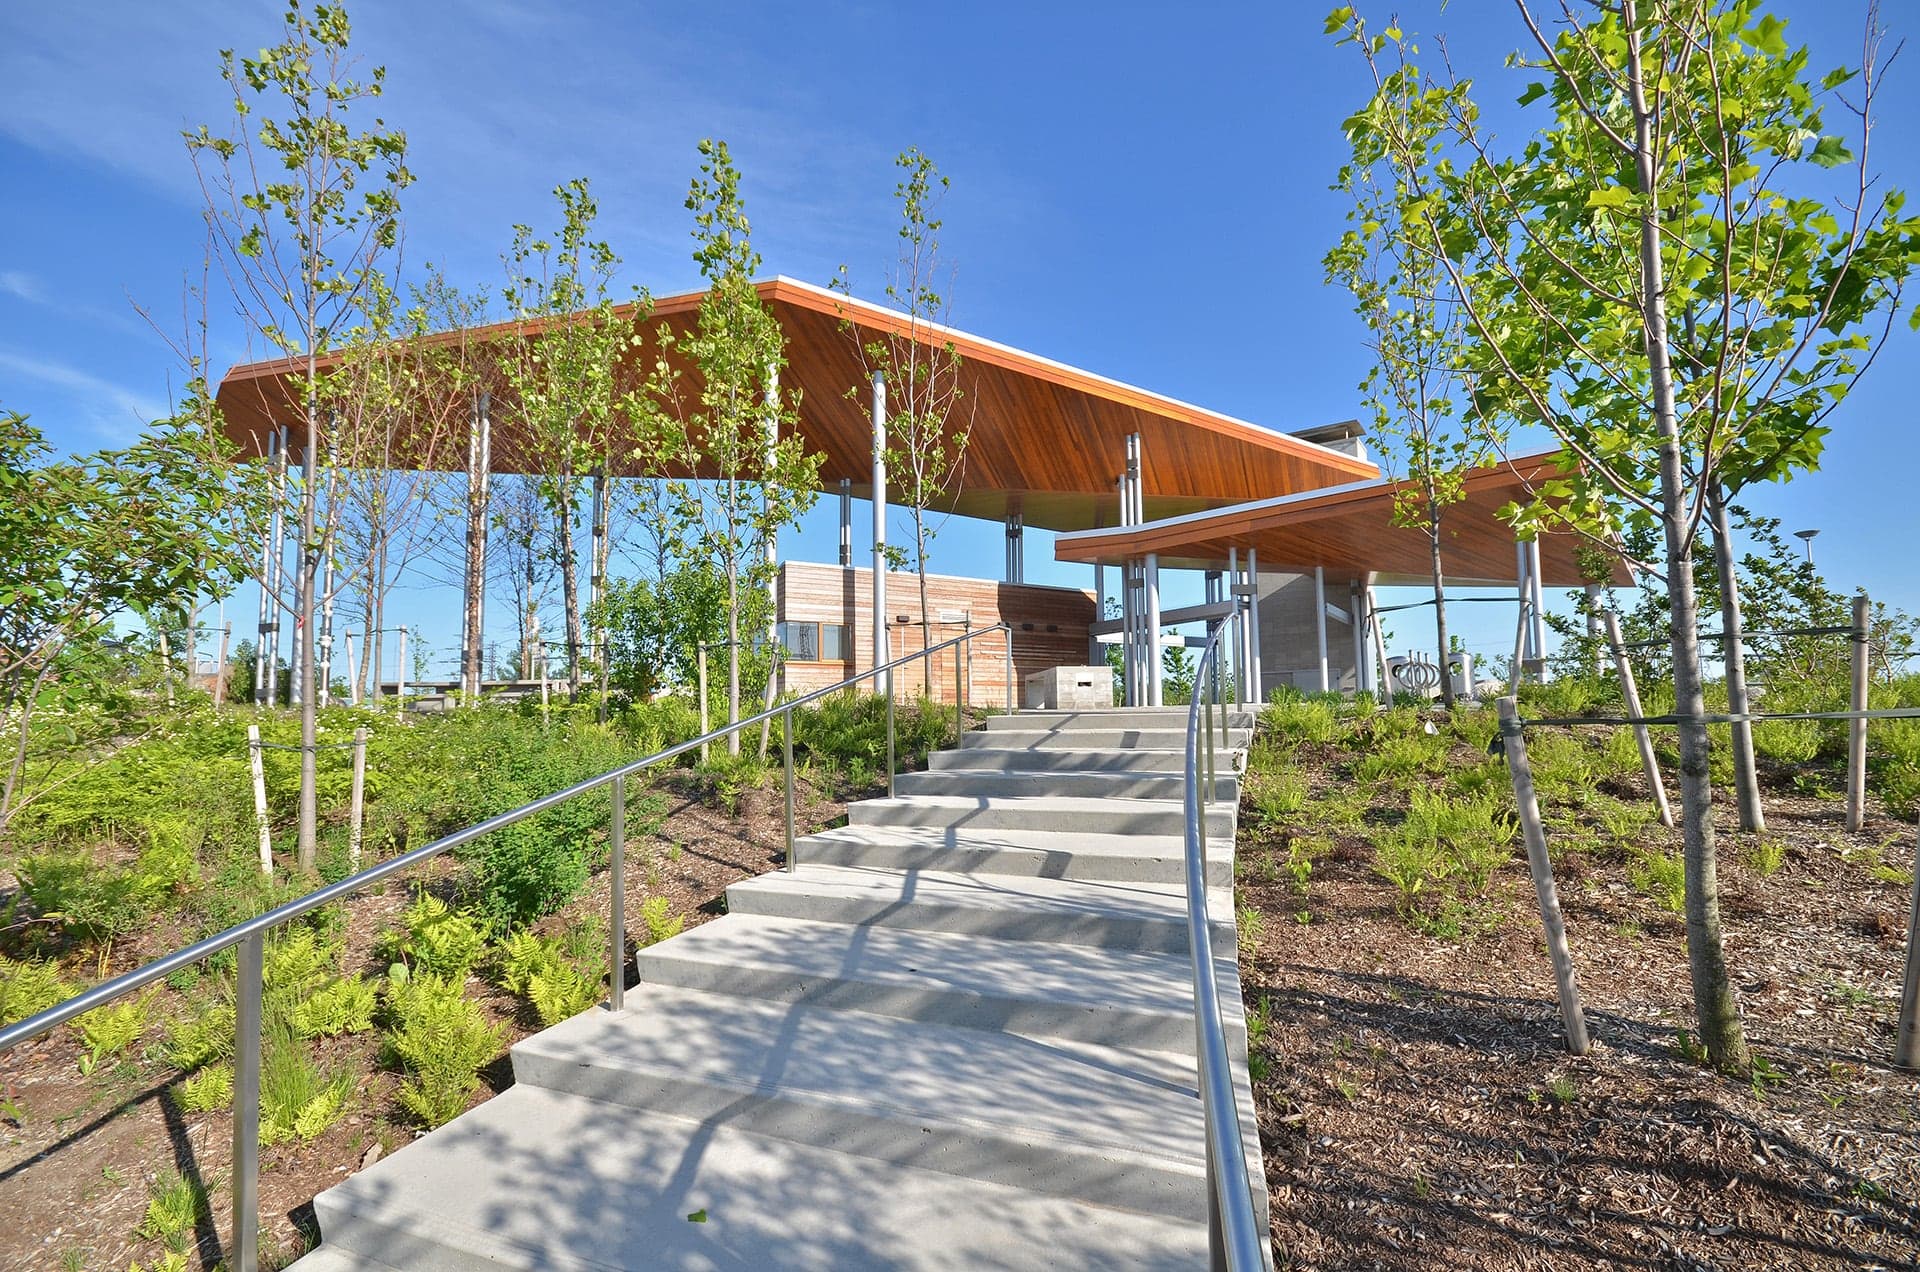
(104, 410)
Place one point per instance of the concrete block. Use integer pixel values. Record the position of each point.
(1075, 688)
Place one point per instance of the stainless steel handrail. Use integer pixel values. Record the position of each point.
(250, 935)
(1233, 1229)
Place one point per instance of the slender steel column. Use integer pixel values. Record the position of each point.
(1320, 620)
(1254, 667)
(1152, 591)
(846, 522)
(880, 658)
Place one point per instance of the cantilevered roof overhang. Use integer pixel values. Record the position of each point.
(1048, 440)
(1348, 531)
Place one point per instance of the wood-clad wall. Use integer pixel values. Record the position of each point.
(1049, 628)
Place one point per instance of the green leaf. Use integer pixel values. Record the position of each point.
(1830, 152)
(698, 1216)
(1611, 198)
(1535, 91)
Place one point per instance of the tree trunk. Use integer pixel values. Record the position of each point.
(308, 849)
(569, 583)
(1732, 628)
(926, 618)
(1721, 1031)
(1439, 600)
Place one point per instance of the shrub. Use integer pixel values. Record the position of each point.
(28, 987)
(1442, 859)
(1562, 768)
(661, 924)
(1766, 854)
(97, 904)
(436, 939)
(1787, 741)
(107, 1031)
(1567, 696)
(441, 1041)
(209, 1089)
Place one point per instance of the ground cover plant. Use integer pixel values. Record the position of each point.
(1417, 1107)
(385, 1015)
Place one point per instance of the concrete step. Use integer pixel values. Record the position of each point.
(1123, 997)
(1110, 1125)
(1062, 759)
(1095, 784)
(1068, 814)
(1018, 853)
(335, 1259)
(1119, 738)
(1142, 916)
(1116, 718)
(538, 1178)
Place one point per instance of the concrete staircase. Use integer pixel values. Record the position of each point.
(960, 1035)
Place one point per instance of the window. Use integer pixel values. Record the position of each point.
(836, 642)
(801, 641)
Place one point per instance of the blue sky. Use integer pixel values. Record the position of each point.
(1137, 190)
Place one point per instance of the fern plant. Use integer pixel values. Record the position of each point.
(108, 1031)
(440, 1040)
(28, 987)
(437, 939)
(562, 991)
(345, 1006)
(661, 924)
(209, 1089)
(201, 1037)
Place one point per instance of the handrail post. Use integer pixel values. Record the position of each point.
(786, 751)
(617, 920)
(245, 1248)
(889, 693)
(1012, 699)
(1857, 727)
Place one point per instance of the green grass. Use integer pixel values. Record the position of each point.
(176, 1205)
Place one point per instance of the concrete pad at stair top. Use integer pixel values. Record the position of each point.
(1127, 997)
(1127, 915)
(1026, 853)
(536, 1178)
(1112, 1125)
(1060, 813)
(1116, 718)
(1114, 739)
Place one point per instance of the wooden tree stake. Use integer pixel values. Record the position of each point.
(1515, 745)
(260, 799)
(1857, 728)
(357, 815)
(1906, 1041)
(1630, 695)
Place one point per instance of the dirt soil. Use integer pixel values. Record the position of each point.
(79, 1155)
(1418, 1108)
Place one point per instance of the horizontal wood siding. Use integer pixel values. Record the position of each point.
(1050, 628)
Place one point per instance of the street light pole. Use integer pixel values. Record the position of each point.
(1806, 537)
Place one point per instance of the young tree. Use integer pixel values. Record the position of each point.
(563, 376)
(1679, 171)
(926, 443)
(1415, 385)
(739, 433)
(304, 209)
(88, 539)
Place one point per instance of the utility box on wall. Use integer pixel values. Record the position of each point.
(1069, 689)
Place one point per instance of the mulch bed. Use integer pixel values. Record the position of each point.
(77, 1164)
(1418, 1108)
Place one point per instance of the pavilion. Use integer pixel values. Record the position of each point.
(1129, 477)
